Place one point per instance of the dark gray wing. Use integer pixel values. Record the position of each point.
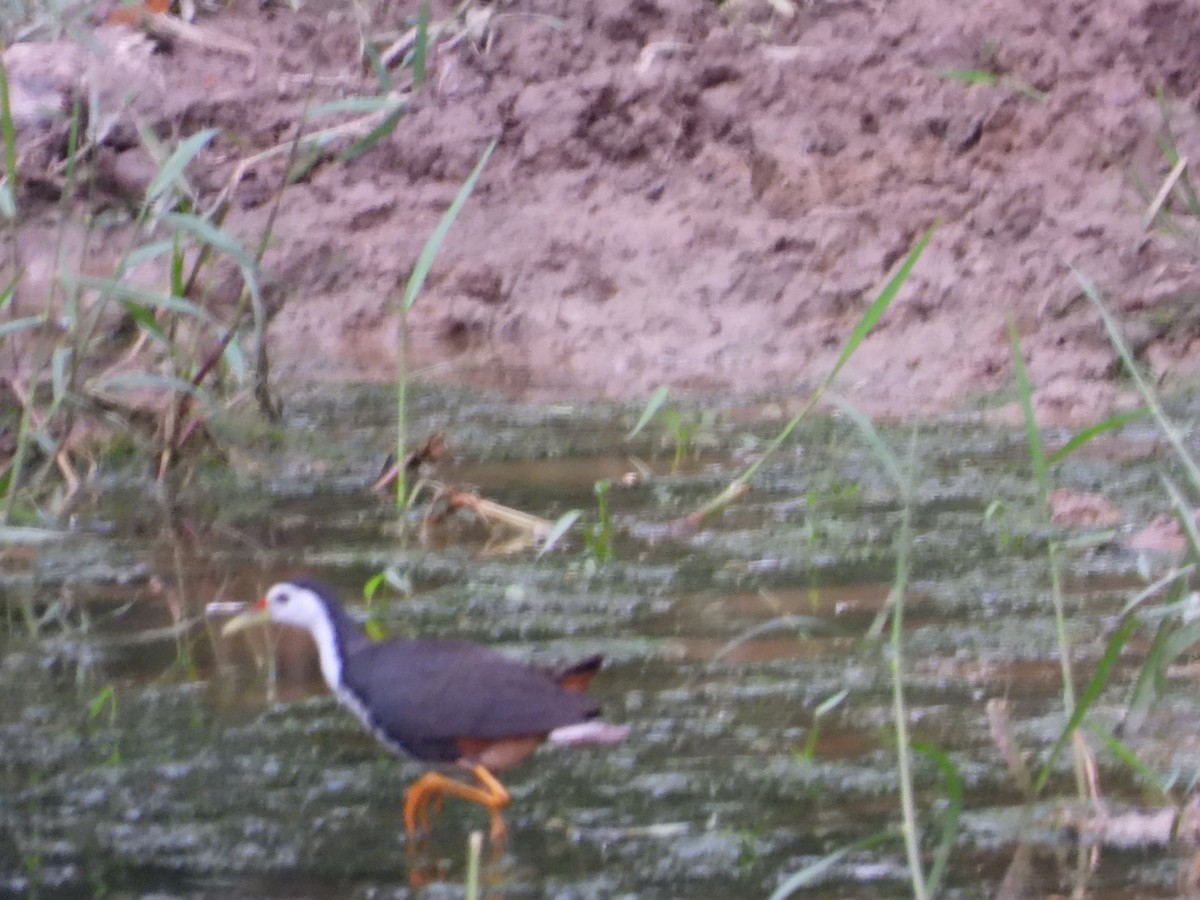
(425, 694)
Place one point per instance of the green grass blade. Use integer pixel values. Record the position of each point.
(140, 381)
(18, 325)
(8, 136)
(382, 76)
(176, 268)
(969, 76)
(1037, 458)
(1175, 575)
(561, 526)
(128, 293)
(1148, 776)
(813, 874)
(1033, 434)
(58, 378)
(377, 134)
(474, 855)
(28, 536)
(868, 321)
(1080, 438)
(1178, 642)
(1183, 514)
(950, 817)
(357, 105)
(881, 303)
(881, 450)
(421, 46)
(207, 233)
(144, 254)
(172, 170)
(425, 261)
(821, 710)
(791, 622)
(830, 703)
(1088, 697)
(235, 360)
(896, 601)
(10, 291)
(1150, 680)
(1143, 386)
(653, 405)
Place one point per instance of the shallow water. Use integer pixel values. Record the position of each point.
(141, 753)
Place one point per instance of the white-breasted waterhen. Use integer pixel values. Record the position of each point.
(446, 702)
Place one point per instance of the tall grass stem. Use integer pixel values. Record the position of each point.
(1167, 427)
(737, 487)
(1037, 458)
(912, 837)
(412, 288)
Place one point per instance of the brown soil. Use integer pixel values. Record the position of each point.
(708, 196)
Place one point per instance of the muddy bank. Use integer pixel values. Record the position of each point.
(706, 196)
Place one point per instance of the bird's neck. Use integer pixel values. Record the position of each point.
(337, 637)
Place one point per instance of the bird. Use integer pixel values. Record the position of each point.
(446, 702)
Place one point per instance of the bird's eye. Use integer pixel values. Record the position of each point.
(282, 598)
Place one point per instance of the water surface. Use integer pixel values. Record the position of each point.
(143, 754)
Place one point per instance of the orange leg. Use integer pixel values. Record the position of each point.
(432, 786)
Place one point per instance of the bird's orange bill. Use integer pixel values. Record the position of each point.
(257, 615)
(432, 786)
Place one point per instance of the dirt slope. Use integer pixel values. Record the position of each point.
(707, 197)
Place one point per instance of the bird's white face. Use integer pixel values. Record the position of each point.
(289, 604)
(301, 607)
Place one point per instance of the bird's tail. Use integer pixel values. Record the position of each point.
(593, 731)
(577, 676)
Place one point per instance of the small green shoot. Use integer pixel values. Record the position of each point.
(104, 706)
(170, 175)
(653, 405)
(996, 514)
(682, 429)
(824, 708)
(952, 779)
(373, 592)
(598, 538)
(995, 79)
